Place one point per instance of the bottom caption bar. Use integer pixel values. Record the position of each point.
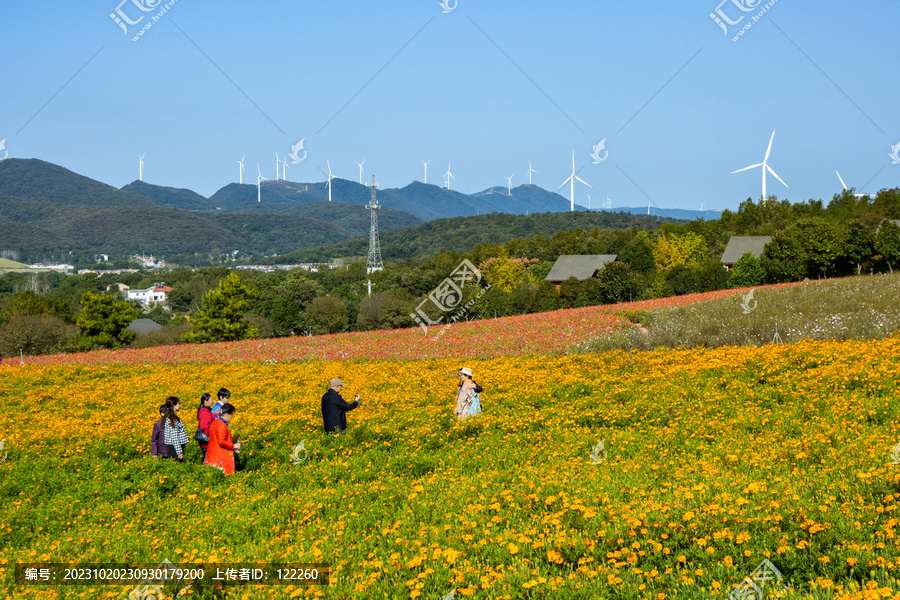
(168, 573)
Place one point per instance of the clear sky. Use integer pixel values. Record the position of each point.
(487, 87)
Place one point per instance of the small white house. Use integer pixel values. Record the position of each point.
(157, 293)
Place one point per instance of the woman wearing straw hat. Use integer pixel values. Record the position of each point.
(467, 401)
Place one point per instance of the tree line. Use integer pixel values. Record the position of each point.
(850, 236)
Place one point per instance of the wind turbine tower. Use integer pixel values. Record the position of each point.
(360, 170)
(509, 187)
(141, 167)
(241, 169)
(448, 176)
(330, 177)
(373, 263)
(530, 171)
(571, 180)
(425, 164)
(259, 180)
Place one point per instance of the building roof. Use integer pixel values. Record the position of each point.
(142, 326)
(579, 266)
(738, 245)
(163, 288)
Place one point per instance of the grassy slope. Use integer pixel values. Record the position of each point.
(857, 308)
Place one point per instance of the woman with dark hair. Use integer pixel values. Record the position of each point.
(205, 420)
(176, 436)
(221, 448)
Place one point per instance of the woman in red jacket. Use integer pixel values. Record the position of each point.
(205, 420)
(220, 452)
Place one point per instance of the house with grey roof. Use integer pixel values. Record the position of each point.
(738, 245)
(579, 266)
(143, 326)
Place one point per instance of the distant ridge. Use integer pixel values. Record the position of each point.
(171, 197)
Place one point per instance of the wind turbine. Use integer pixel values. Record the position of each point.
(360, 169)
(277, 165)
(845, 185)
(571, 180)
(765, 166)
(425, 164)
(284, 168)
(259, 180)
(141, 167)
(241, 169)
(530, 171)
(330, 177)
(509, 179)
(448, 176)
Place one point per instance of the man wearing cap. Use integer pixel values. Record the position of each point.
(334, 408)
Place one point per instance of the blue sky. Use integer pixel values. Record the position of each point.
(486, 87)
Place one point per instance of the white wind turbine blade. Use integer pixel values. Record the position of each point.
(769, 150)
(842, 181)
(565, 182)
(583, 181)
(777, 177)
(745, 168)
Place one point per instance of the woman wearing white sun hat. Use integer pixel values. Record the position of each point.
(467, 402)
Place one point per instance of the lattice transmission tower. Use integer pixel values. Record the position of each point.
(373, 263)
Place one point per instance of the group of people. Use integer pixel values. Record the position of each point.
(170, 435)
(335, 408)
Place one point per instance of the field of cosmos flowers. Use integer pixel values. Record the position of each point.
(657, 474)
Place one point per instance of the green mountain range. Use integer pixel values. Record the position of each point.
(48, 213)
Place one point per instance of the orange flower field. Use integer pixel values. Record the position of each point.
(712, 460)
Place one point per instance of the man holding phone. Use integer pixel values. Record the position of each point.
(334, 408)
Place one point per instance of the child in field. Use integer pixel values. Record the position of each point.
(224, 396)
(157, 439)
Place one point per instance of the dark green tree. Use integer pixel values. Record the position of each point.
(887, 204)
(619, 283)
(383, 311)
(103, 321)
(327, 314)
(822, 243)
(783, 259)
(887, 243)
(639, 254)
(222, 317)
(858, 248)
(748, 272)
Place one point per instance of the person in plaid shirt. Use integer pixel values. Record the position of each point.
(175, 433)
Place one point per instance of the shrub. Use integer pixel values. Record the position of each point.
(36, 334)
(327, 314)
(169, 335)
